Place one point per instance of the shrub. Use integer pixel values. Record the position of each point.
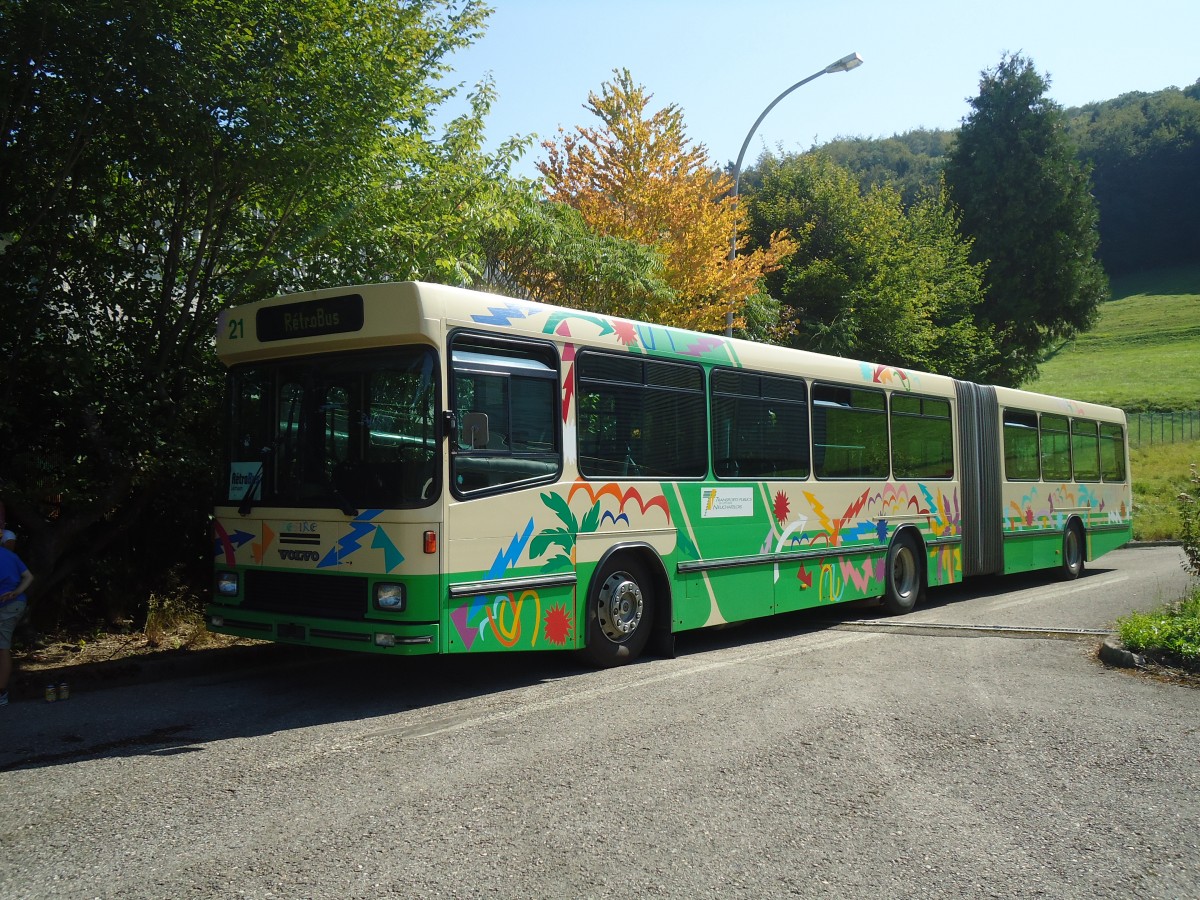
(1173, 632)
(1189, 523)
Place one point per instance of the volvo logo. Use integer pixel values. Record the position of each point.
(300, 555)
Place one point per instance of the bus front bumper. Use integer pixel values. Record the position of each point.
(366, 636)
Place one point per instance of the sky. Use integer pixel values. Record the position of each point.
(722, 64)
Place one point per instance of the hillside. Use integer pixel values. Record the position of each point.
(1144, 353)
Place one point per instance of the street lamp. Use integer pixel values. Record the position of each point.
(845, 64)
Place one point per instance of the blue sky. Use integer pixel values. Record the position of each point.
(722, 63)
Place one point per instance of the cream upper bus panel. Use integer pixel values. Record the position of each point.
(393, 311)
(342, 318)
(491, 312)
(1011, 398)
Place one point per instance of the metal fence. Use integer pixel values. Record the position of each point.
(1147, 428)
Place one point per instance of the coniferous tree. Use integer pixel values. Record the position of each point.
(1026, 202)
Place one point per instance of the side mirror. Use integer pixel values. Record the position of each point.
(475, 430)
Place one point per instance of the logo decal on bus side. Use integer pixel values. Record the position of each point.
(726, 503)
(300, 555)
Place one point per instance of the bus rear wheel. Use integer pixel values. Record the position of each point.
(1072, 552)
(620, 613)
(903, 583)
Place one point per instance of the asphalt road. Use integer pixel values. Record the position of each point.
(834, 755)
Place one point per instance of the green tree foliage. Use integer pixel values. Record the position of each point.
(869, 279)
(1144, 150)
(1026, 203)
(910, 162)
(162, 160)
(547, 252)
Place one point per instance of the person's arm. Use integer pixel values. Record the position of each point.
(26, 580)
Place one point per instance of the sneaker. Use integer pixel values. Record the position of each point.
(3, 698)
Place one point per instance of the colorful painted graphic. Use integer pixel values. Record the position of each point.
(515, 566)
(509, 619)
(284, 544)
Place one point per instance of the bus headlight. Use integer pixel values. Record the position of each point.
(389, 596)
(227, 584)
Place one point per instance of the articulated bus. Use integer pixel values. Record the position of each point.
(414, 469)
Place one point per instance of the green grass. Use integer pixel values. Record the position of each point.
(1174, 630)
(1144, 352)
(1160, 473)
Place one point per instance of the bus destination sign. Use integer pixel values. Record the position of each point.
(332, 315)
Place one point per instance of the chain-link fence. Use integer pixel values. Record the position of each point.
(1147, 428)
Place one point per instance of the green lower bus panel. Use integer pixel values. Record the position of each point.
(1104, 540)
(1029, 551)
(542, 618)
(1032, 550)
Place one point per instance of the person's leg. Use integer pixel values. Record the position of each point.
(10, 615)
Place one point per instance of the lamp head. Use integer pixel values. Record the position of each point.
(845, 64)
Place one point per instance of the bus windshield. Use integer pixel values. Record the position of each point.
(350, 432)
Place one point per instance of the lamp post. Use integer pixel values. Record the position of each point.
(845, 64)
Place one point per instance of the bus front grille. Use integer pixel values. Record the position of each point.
(306, 594)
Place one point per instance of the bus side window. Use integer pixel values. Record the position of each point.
(1112, 452)
(640, 418)
(505, 398)
(1021, 456)
(1085, 450)
(922, 437)
(1056, 448)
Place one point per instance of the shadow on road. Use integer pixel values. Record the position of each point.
(133, 710)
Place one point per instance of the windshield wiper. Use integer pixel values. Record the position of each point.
(255, 482)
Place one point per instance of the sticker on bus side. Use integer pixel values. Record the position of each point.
(725, 503)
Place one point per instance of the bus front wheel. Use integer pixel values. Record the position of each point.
(902, 576)
(620, 613)
(1072, 552)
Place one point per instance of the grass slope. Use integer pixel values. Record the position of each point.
(1143, 354)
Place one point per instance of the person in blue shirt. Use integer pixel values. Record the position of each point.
(15, 579)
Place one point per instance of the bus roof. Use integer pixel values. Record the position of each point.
(381, 315)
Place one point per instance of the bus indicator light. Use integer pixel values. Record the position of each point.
(431, 542)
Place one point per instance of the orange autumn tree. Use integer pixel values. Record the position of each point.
(639, 177)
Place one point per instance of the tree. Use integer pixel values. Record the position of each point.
(910, 162)
(1144, 150)
(638, 177)
(163, 160)
(869, 279)
(546, 252)
(1026, 203)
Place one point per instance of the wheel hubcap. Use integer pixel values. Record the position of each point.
(619, 610)
(1072, 552)
(904, 573)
